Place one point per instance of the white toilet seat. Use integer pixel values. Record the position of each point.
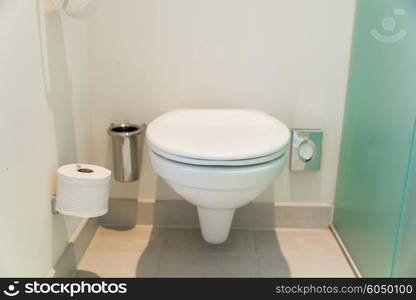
(218, 137)
(210, 162)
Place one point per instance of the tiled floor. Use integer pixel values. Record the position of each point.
(144, 251)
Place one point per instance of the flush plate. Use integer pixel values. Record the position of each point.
(306, 149)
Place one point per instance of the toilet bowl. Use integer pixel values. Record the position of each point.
(218, 160)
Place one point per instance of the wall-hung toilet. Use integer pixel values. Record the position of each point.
(218, 160)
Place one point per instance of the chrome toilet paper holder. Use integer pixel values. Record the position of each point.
(53, 205)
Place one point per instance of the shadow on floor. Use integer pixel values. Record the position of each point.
(118, 228)
(169, 251)
(181, 252)
(85, 274)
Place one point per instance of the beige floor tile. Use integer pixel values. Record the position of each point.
(172, 252)
(313, 253)
(135, 239)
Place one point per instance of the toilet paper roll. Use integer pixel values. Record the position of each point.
(83, 190)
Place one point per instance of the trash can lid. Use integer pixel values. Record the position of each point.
(124, 129)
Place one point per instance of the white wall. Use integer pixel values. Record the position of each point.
(286, 57)
(43, 123)
(144, 57)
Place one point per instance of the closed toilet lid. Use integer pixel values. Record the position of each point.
(217, 134)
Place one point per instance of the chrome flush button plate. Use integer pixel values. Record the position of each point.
(306, 149)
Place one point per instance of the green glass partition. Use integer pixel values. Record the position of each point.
(405, 257)
(376, 150)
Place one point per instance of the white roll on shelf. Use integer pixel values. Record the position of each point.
(83, 190)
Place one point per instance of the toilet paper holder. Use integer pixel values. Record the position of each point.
(306, 149)
(53, 205)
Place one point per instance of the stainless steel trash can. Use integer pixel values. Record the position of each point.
(127, 142)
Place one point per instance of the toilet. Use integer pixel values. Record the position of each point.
(218, 160)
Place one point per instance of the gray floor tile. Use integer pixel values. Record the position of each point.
(266, 242)
(191, 241)
(273, 266)
(206, 265)
(239, 242)
(147, 264)
(118, 264)
(178, 240)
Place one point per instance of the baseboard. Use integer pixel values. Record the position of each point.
(345, 251)
(78, 243)
(180, 213)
